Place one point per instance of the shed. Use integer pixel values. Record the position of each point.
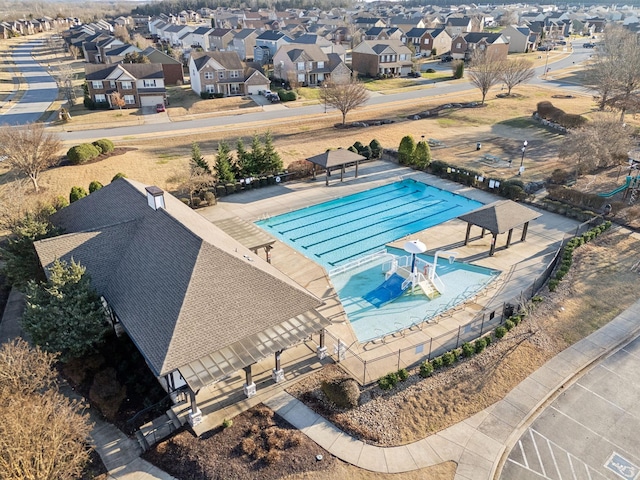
(499, 217)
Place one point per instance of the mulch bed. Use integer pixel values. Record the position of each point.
(258, 444)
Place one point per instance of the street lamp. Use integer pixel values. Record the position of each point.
(524, 149)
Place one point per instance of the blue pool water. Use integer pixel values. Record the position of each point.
(338, 231)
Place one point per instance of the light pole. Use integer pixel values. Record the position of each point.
(324, 89)
(524, 149)
(546, 62)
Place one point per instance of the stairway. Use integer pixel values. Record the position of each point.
(429, 288)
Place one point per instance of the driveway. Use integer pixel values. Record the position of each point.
(590, 431)
(41, 88)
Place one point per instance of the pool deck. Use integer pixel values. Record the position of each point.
(520, 265)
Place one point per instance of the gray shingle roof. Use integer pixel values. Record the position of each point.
(500, 216)
(182, 288)
(335, 158)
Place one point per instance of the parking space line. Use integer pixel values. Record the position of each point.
(573, 470)
(524, 455)
(553, 457)
(535, 445)
(600, 397)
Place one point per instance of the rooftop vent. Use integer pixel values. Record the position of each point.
(155, 197)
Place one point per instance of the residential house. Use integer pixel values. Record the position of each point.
(427, 40)
(172, 33)
(365, 23)
(199, 38)
(458, 25)
(381, 57)
(220, 38)
(384, 33)
(224, 73)
(139, 84)
(464, 45)
(406, 23)
(243, 43)
(95, 46)
(308, 65)
(267, 44)
(521, 39)
(172, 69)
(117, 54)
(170, 281)
(325, 45)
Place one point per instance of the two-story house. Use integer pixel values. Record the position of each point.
(243, 43)
(521, 39)
(220, 38)
(199, 38)
(267, 44)
(139, 84)
(172, 68)
(458, 25)
(427, 40)
(381, 57)
(117, 54)
(305, 64)
(224, 73)
(463, 46)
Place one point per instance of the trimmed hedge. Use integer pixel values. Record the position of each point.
(547, 111)
(95, 185)
(77, 193)
(104, 145)
(82, 153)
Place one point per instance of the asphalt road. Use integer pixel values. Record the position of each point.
(590, 431)
(41, 88)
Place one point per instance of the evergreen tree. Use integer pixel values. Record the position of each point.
(223, 164)
(406, 150)
(422, 155)
(273, 162)
(239, 167)
(257, 162)
(64, 314)
(376, 148)
(198, 159)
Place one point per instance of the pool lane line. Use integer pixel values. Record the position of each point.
(379, 233)
(377, 212)
(370, 225)
(324, 210)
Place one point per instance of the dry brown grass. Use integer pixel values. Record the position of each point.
(345, 471)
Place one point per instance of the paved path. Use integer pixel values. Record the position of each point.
(41, 88)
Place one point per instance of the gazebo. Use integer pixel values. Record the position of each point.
(335, 158)
(499, 217)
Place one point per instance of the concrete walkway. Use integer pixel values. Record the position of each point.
(478, 445)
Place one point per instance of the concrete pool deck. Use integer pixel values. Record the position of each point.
(521, 264)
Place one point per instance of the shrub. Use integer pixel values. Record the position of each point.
(426, 369)
(220, 191)
(230, 188)
(89, 103)
(204, 95)
(406, 150)
(226, 423)
(389, 381)
(430, 70)
(82, 153)
(210, 198)
(353, 149)
(196, 202)
(102, 105)
(366, 152)
(300, 168)
(358, 146)
(77, 193)
(376, 148)
(218, 95)
(487, 341)
(107, 393)
(509, 325)
(448, 358)
(343, 392)
(104, 144)
(95, 185)
(516, 319)
(468, 350)
(501, 332)
(117, 176)
(437, 363)
(480, 344)
(403, 374)
(59, 202)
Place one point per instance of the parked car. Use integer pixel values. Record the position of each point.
(273, 97)
(414, 74)
(446, 58)
(545, 48)
(588, 45)
(266, 93)
(160, 108)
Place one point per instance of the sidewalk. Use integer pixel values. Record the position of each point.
(479, 443)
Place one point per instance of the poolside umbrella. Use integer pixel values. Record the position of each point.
(414, 247)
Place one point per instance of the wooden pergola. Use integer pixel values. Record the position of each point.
(499, 217)
(247, 234)
(335, 158)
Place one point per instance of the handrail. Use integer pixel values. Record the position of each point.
(357, 262)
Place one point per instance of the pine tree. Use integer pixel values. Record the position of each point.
(240, 166)
(273, 162)
(223, 164)
(198, 159)
(64, 314)
(422, 155)
(257, 162)
(406, 150)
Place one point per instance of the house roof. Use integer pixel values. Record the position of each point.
(500, 216)
(229, 60)
(273, 35)
(475, 37)
(136, 70)
(182, 288)
(458, 21)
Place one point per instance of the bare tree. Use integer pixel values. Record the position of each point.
(141, 42)
(603, 142)
(344, 96)
(121, 32)
(485, 71)
(51, 442)
(514, 72)
(615, 73)
(64, 77)
(74, 51)
(117, 100)
(29, 149)
(510, 17)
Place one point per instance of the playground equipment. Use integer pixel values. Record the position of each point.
(407, 272)
(619, 189)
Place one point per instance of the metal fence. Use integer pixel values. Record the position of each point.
(369, 370)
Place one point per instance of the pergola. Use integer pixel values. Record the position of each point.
(335, 158)
(248, 235)
(499, 217)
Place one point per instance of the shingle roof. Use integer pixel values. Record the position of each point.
(136, 70)
(500, 216)
(181, 287)
(229, 60)
(335, 158)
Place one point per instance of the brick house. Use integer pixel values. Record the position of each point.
(139, 84)
(425, 40)
(173, 69)
(464, 45)
(309, 65)
(382, 57)
(225, 73)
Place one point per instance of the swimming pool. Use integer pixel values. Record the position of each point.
(335, 232)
